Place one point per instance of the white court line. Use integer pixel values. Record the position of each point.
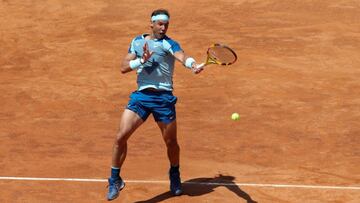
(191, 183)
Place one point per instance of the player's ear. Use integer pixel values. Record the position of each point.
(151, 25)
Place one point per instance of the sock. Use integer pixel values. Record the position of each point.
(115, 173)
(174, 169)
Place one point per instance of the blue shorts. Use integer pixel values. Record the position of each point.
(159, 103)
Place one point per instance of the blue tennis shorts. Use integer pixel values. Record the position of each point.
(161, 104)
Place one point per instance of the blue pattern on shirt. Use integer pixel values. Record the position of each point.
(158, 71)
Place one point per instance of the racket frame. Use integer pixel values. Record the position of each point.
(211, 60)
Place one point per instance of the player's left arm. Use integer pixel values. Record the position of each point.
(187, 61)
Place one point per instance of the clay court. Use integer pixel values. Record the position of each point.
(295, 85)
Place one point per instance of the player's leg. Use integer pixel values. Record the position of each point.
(169, 133)
(130, 121)
(164, 113)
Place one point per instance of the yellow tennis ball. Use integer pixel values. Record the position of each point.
(235, 116)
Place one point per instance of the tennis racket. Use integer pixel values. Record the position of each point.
(219, 54)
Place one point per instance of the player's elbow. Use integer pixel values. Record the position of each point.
(124, 70)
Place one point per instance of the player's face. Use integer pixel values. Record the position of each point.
(159, 28)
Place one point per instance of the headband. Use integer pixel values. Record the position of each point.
(162, 17)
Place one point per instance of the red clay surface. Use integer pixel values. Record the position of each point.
(295, 85)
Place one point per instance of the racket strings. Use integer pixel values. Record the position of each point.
(222, 54)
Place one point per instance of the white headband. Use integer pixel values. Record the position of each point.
(162, 17)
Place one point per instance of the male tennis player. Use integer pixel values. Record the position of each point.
(152, 56)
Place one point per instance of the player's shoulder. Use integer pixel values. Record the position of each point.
(171, 44)
(138, 37)
(135, 44)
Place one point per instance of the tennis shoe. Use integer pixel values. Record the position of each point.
(115, 185)
(175, 183)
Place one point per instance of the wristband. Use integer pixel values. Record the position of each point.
(136, 63)
(189, 61)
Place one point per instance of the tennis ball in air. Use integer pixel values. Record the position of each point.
(235, 116)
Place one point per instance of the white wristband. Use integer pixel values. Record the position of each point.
(136, 63)
(189, 61)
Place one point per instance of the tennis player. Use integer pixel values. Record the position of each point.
(152, 56)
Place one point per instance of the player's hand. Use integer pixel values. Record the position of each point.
(147, 54)
(196, 69)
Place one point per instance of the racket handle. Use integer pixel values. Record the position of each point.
(201, 65)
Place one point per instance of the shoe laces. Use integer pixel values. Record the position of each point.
(116, 184)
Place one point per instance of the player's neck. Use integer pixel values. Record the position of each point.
(153, 36)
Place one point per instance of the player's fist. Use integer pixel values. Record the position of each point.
(196, 68)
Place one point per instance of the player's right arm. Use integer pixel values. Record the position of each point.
(191, 64)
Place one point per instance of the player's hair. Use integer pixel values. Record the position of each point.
(160, 11)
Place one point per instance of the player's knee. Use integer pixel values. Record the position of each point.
(121, 139)
(172, 143)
